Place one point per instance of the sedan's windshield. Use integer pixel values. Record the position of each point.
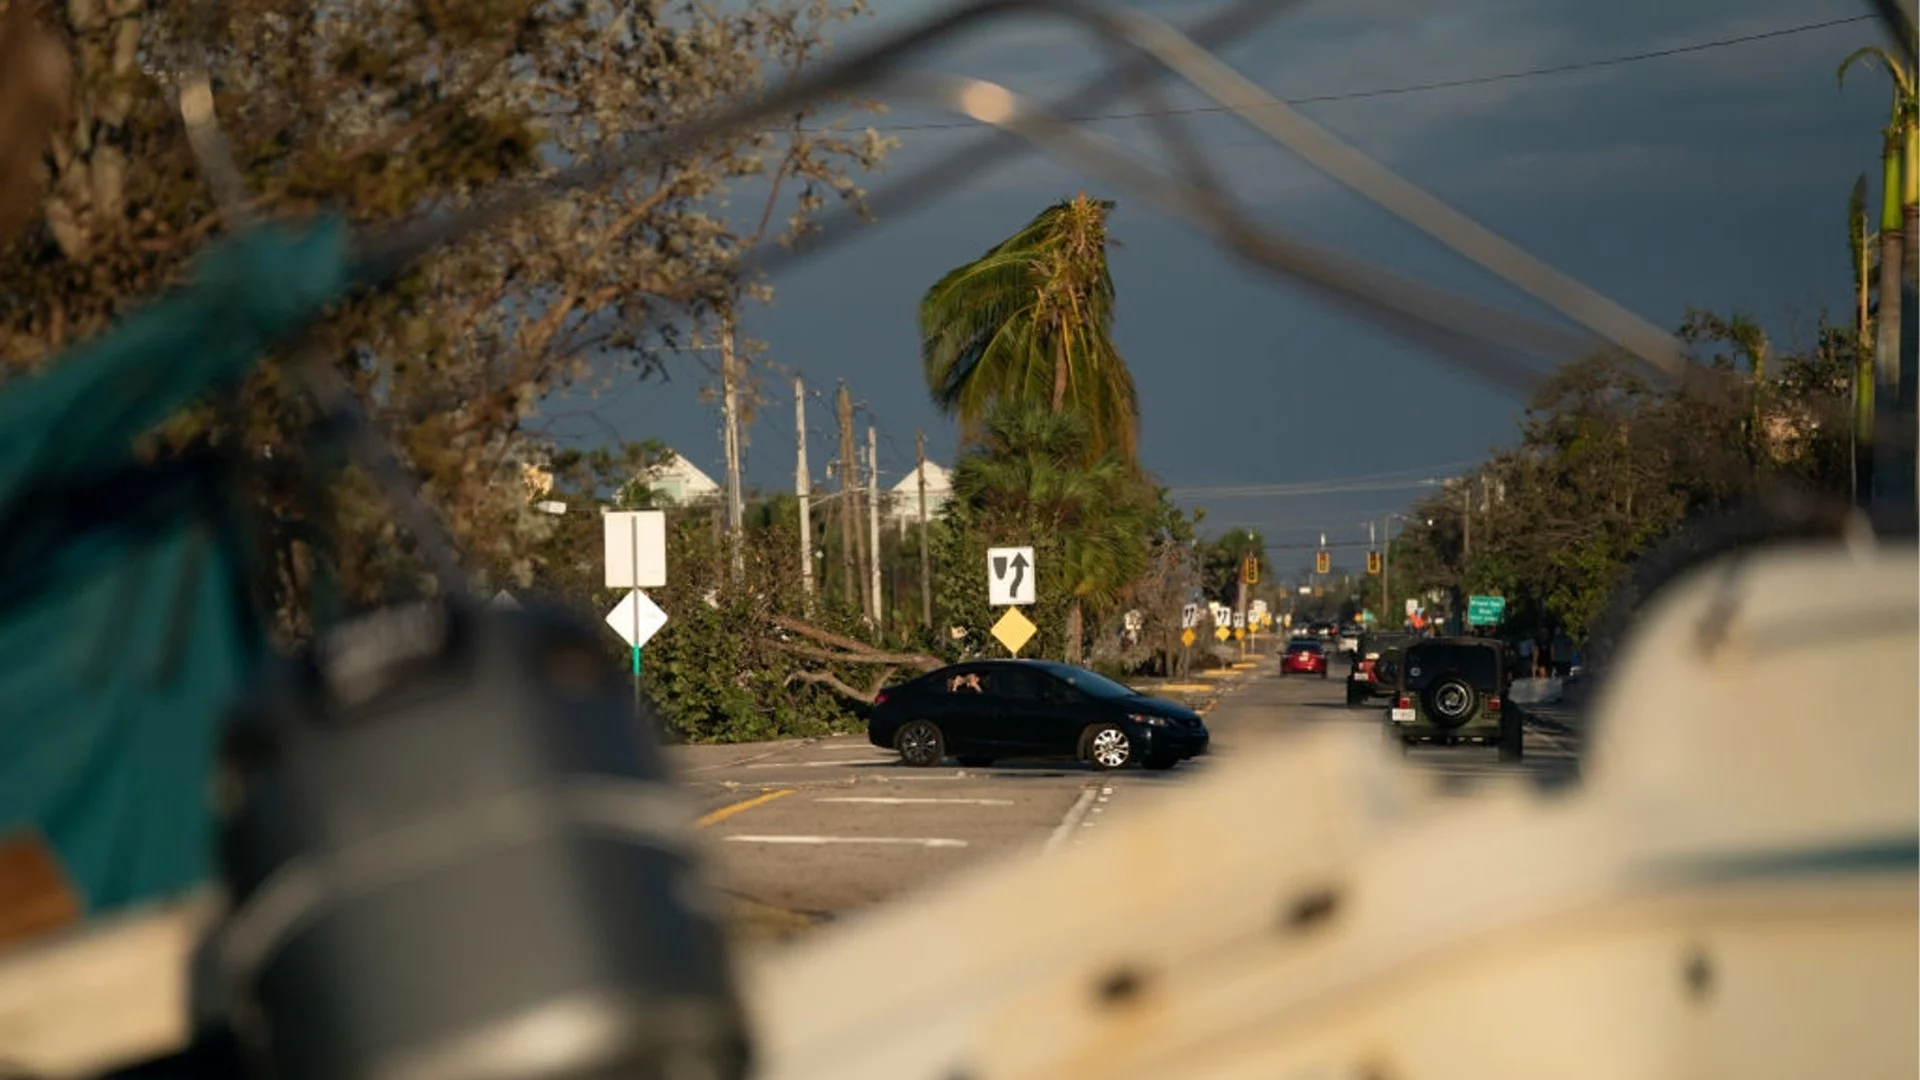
(1081, 679)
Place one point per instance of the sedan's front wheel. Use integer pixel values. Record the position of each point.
(1108, 747)
(920, 744)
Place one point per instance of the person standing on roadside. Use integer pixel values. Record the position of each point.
(127, 624)
(1562, 654)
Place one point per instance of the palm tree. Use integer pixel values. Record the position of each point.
(1032, 321)
(1899, 196)
(1859, 242)
(1033, 467)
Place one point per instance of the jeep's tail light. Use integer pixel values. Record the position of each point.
(1404, 702)
(880, 698)
(1493, 704)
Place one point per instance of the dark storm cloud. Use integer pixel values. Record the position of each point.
(1714, 179)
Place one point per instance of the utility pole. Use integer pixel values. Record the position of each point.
(802, 489)
(1486, 508)
(730, 405)
(1466, 528)
(873, 522)
(926, 555)
(1373, 545)
(1466, 554)
(1386, 565)
(850, 532)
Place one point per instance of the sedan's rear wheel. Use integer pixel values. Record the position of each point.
(920, 744)
(1108, 747)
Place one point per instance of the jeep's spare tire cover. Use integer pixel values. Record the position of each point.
(1450, 701)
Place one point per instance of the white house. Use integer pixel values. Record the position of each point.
(679, 481)
(903, 502)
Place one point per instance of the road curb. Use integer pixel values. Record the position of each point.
(783, 744)
(1528, 716)
(1075, 815)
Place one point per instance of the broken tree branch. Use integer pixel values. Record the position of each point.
(852, 650)
(830, 680)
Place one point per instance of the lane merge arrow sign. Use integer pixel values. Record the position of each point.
(1010, 576)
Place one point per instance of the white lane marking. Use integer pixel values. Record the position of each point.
(917, 841)
(900, 800)
(816, 764)
(1075, 815)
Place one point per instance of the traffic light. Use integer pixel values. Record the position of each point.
(1373, 562)
(1250, 570)
(1322, 562)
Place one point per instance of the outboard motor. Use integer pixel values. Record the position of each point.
(452, 853)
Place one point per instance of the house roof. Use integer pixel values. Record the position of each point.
(689, 474)
(938, 481)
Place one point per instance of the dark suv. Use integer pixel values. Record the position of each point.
(1452, 691)
(1372, 673)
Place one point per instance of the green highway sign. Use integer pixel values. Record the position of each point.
(1486, 610)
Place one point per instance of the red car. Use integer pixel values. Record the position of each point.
(1304, 657)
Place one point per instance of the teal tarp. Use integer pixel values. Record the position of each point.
(125, 629)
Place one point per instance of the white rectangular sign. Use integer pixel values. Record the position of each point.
(1009, 576)
(1189, 616)
(636, 549)
(636, 618)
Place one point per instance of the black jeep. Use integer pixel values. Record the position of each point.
(1452, 691)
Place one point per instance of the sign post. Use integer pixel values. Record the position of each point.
(635, 543)
(1010, 584)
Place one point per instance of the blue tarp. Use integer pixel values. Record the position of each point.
(125, 623)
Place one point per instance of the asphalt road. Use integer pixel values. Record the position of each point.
(813, 830)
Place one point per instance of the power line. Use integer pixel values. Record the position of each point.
(1399, 479)
(1415, 88)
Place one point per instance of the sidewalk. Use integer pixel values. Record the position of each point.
(1567, 715)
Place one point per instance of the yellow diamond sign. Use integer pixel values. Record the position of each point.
(1014, 630)
(1186, 637)
(1222, 633)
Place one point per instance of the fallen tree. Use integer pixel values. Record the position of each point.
(840, 649)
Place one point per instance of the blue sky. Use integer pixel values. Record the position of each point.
(1715, 179)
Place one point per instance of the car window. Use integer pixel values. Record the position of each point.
(1303, 645)
(962, 682)
(1091, 682)
(1425, 663)
(1011, 682)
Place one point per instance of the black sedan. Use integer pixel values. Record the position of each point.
(987, 710)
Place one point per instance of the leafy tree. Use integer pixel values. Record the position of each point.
(1609, 464)
(1030, 477)
(382, 111)
(1032, 321)
(1222, 558)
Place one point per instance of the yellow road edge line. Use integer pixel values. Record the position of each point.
(725, 812)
